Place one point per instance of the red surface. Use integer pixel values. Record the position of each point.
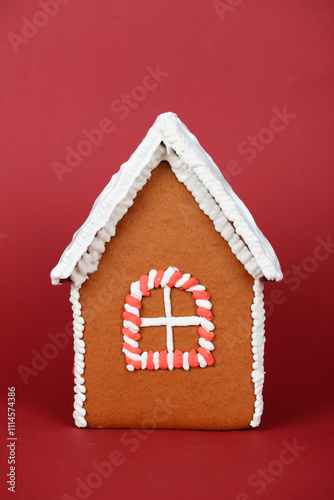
(224, 77)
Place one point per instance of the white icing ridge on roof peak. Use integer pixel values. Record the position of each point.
(169, 130)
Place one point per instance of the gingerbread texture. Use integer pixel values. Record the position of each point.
(164, 227)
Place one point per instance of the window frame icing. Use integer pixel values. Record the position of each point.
(133, 323)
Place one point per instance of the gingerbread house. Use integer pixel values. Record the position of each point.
(167, 277)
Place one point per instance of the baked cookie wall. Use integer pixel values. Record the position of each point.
(165, 227)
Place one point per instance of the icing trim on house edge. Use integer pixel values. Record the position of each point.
(118, 196)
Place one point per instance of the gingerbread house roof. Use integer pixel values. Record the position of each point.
(168, 139)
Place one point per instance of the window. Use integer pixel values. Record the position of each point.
(133, 323)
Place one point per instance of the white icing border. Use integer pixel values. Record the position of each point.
(258, 340)
(89, 261)
(209, 206)
(118, 195)
(79, 363)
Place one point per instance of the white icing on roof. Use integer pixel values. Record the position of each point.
(169, 130)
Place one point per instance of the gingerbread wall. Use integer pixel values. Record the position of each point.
(165, 227)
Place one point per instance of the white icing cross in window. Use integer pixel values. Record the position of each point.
(170, 320)
(132, 322)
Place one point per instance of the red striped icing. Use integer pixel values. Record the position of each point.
(206, 355)
(132, 318)
(130, 348)
(202, 332)
(192, 359)
(129, 333)
(163, 355)
(149, 362)
(163, 364)
(135, 364)
(178, 359)
(133, 301)
(201, 295)
(143, 283)
(188, 284)
(174, 278)
(205, 313)
(158, 278)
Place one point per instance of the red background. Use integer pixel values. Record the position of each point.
(224, 78)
